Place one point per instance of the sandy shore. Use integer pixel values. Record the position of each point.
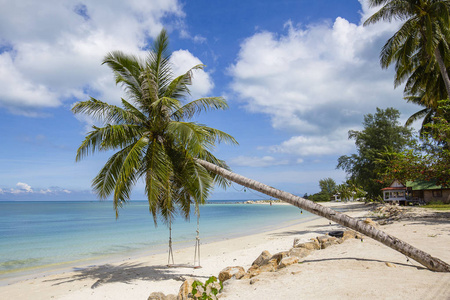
(352, 270)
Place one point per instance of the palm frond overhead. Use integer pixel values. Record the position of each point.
(154, 139)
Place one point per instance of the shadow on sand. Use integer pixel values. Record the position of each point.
(124, 273)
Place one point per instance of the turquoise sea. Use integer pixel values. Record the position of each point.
(38, 236)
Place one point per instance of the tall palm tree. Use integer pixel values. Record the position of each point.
(172, 156)
(422, 41)
(155, 140)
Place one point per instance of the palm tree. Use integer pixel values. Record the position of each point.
(422, 41)
(420, 256)
(156, 143)
(171, 155)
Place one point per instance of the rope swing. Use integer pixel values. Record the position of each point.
(197, 240)
(170, 246)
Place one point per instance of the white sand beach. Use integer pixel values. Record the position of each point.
(354, 269)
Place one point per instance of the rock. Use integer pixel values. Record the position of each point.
(157, 296)
(265, 255)
(252, 272)
(287, 261)
(326, 241)
(270, 265)
(254, 280)
(309, 246)
(322, 238)
(279, 256)
(186, 289)
(230, 272)
(299, 252)
(349, 234)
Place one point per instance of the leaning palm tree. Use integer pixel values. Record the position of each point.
(422, 40)
(172, 156)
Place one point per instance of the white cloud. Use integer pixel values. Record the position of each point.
(24, 188)
(52, 50)
(313, 145)
(317, 81)
(182, 61)
(249, 161)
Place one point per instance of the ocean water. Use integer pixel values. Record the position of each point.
(37, 236)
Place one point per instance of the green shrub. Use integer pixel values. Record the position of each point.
(207, 291)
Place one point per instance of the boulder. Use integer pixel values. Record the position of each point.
(157, 296)
(309, 246)
(279, 256)
(265, 255)
(299, 252)
(230, 272)
(351, 234)
(287, 261)
(185, 291)
(252, 272)
(270, 265)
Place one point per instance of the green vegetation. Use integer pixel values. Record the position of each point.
(208, 290)
(152, 134)
(327, 189)
(420, 52)
(382, 133)
(428, 158)
(419, 49)
(437, 206)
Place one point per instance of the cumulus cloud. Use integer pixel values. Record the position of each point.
(253, 161)
(51, 51)
(182, 61)
(317, 81)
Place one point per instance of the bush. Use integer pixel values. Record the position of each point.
(207, 291)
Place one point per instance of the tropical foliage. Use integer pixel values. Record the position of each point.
(428, 158)
(154, 139)
(382, 133)
(327, 189)
(420, 47)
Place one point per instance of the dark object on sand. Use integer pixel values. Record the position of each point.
(337, 234)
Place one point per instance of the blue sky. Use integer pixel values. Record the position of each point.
(297, 75)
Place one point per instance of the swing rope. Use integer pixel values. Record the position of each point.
(170, 246)
(197, 240)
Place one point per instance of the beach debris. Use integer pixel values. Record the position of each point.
(388, 213)
(230, 272)
(370, 222)
(389, 265)
(337, 234)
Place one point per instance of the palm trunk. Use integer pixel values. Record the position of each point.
(443, 70)
(425, 259)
